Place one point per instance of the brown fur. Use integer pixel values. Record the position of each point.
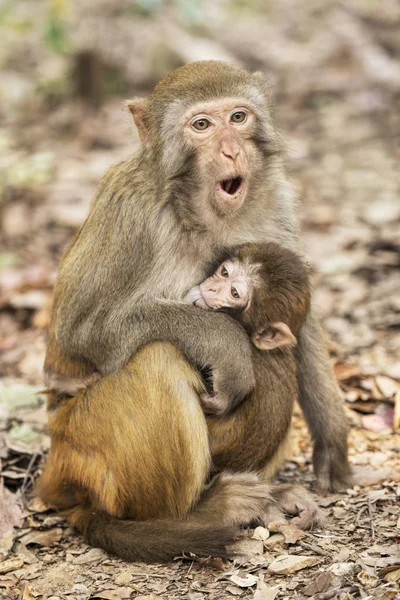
(281, 289)
(152, 230)
(279, 292)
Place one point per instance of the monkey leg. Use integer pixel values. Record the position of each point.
(320, 400)
(129, 459)
(136, 440)
(256, 437)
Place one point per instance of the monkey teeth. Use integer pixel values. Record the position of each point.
(231, 186)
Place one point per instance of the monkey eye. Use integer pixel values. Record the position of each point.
(224, 272)
(235, 294)
(201, 124)
(238, 117)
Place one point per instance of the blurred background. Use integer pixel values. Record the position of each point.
(334, 67)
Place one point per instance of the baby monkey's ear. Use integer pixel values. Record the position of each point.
(275, 335)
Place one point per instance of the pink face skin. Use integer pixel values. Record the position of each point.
(229, 287)
(221, 132)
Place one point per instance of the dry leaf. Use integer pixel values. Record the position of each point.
(366, 476)
(291, 533)
(94, 554)
(367, 580)
(345, 371)
(109, 595)
(10, 512)
(37, 506)
(244, 582)
(376, 422)
(393, 575)
(288, 563)
(387, 386)
(319, 584)
(25, 593)
(263, 592)
(391, 572)
(234, 590)
(12, 564)
(151, 597)
(213, 563)
(396, 415)
(42, 538)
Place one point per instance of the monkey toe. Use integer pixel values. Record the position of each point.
(298, 503)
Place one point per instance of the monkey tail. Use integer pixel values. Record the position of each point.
(155, 540)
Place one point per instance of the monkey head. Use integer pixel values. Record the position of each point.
(265, 287)
(208, 124)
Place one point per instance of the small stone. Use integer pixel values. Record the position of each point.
(248, 547)
(261, 533)
(274, 540)
(341, 569)
(287, 563)
(123, 578)
(80, 588)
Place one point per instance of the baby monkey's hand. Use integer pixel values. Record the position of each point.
(214, 404)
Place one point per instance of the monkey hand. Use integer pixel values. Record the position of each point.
(331, 466)
(227, 393)
(214, 404)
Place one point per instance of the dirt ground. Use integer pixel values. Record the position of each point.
(335, 73)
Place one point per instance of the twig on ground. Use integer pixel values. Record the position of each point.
(371, 519)
(313, 548)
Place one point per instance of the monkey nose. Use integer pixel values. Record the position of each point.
(231, 151)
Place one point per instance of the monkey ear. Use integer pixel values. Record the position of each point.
(139, 108)
(277, 335)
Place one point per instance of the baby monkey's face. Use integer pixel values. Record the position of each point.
(229, 287)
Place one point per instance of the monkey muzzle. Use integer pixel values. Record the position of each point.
(231, 190)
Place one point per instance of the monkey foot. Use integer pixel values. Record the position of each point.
(295, 501)
(235, 499)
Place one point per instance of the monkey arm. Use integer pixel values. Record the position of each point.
(207, 338)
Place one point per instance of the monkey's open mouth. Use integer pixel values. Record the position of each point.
(231, 186)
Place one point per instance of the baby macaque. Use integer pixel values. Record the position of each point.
(266, 288)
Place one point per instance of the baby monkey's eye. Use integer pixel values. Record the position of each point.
(238, 116)
(224, 272)
(235, 293)
(201, 124)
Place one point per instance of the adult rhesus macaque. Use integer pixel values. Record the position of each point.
(130, 454)
(265, 287)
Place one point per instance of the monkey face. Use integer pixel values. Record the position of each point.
(229, 287)
(208, 131)
(220, 133)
